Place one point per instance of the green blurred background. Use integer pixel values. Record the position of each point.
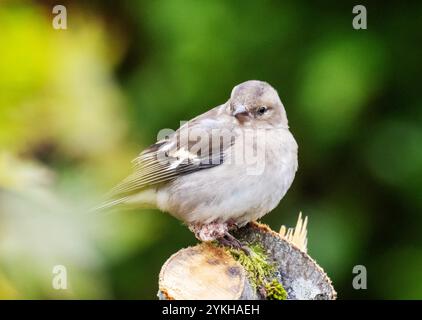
(77, 105)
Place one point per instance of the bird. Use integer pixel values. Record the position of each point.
(219, 171)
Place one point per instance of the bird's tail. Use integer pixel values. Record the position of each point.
(108, 204)
(146, 199)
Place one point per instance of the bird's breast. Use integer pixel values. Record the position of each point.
(242, 189)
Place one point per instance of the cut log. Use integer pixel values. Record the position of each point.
(203, 272)
(207, 271)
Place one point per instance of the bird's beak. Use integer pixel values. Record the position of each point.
(240, 111)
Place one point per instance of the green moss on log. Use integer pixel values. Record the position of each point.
(275, 290)
(260, 271)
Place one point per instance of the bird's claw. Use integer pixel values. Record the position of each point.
(229, 241)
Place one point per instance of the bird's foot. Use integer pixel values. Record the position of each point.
(209, 231)
(229, 241)
(218, 231)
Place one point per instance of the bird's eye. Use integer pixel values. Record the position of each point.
(262, 110)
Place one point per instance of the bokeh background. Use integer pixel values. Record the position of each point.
(77, 105)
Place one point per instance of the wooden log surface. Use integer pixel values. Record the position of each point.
(207, 271)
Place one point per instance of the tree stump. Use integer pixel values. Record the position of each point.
(276, 268)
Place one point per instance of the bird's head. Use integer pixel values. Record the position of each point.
(255, 103)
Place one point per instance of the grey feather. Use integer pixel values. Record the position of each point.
(175, 156)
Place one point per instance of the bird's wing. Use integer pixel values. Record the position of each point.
(199, 144)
